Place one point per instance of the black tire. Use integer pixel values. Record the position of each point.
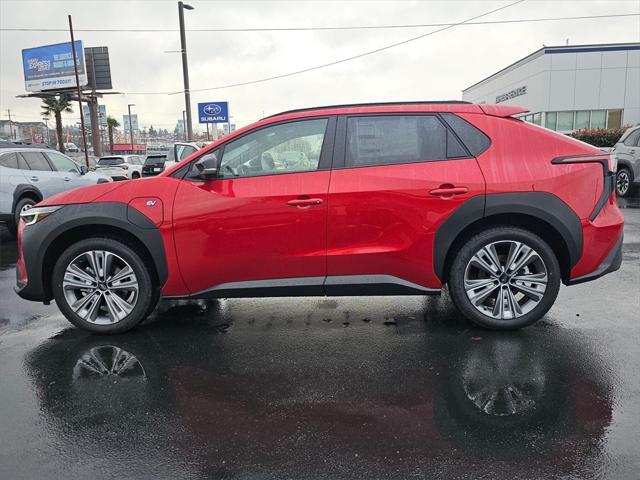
(624, 182)
(135, 175)
(497, 234)
(147, 292)
(23, 202)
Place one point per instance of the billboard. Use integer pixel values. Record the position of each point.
(134, 122)
(213, 112)
(102, 114)
(51, 67)
(98, 67)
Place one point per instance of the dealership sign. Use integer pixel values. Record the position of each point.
(51, 67)
(213, 112)
(516, 92)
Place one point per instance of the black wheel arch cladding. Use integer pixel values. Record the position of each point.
(25, 190)
(39, 238)
(544, 206)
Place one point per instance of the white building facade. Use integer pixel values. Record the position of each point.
(570, 87)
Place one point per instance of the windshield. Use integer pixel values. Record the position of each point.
(110, 161)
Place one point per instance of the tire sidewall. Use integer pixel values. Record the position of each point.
(145, 286)
(628, 173)
(19, 206)
(456, 277)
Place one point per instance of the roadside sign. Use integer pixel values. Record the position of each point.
(213, 112)
(51, 67)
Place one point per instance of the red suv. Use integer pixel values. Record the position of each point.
(379, 199)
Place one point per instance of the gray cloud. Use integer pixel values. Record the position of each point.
(436, 67)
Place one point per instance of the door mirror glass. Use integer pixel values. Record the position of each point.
(207, 167)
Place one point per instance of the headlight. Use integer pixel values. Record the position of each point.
(35, 214)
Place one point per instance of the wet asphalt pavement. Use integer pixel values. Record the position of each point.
(391, 387)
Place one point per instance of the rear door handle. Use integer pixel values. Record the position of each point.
(304, 202)
(67, 179)
(448, 190)
(34, 178)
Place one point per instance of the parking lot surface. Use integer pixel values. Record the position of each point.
(389, 387)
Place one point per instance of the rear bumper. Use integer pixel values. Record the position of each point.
(611, 263)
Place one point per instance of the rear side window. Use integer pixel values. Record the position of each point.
(9, 160)
(475, 140)
(394, 139)
(36, 161)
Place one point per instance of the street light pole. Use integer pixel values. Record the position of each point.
(184, 126)
(79, 89)
(131, 125)
(185, 68)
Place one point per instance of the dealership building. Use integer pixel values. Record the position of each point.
(567, 88)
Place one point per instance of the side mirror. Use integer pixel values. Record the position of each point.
(83, 169)
(207, 167)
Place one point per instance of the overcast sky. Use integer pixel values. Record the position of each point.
(435, 67)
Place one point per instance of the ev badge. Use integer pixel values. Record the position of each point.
(151, 203)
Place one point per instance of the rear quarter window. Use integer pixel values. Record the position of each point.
(9, 160)
(473, 138)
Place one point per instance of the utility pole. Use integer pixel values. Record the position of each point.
(185, 69)
(130, 124)
(184, 125)
(75, 69)
(12, 132)
(46, 123)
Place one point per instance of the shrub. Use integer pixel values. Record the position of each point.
(599, 137)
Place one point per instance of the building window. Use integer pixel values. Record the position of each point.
(537, 118)
(598, 119)
(614, 118)
(565, 121)
(582, 119)
(550, 120)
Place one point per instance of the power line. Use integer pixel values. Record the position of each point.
(307, 29)
(336, 62)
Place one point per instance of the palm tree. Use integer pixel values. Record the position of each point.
(53, 106)
(111, 124)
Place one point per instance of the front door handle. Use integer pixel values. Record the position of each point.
(448, 190)
(304, 202)
(67, 179)
(34, 178)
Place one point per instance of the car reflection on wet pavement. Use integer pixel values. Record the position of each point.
(395, 387)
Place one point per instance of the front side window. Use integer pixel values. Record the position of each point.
(36, 161)
(285, 148)
(632, 139)
(62, 163)
(185, 150)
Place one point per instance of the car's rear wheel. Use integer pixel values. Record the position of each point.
(24, 204)
(504, 278)
(623, 182)
(103, 285)
(135, 175)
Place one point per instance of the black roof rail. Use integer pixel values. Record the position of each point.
(373, 104)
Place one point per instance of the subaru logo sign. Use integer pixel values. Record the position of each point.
(213, 112)
(212, 109)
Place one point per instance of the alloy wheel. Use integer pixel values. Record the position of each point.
(100, 287)
(505, 280)
(622, 182)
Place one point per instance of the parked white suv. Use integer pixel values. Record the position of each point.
(120, 167)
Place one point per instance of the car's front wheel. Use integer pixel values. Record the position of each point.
(504, 278)
(623, 182)
(103, 285)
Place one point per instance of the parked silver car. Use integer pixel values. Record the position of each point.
(627, 151)
(29, 175)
